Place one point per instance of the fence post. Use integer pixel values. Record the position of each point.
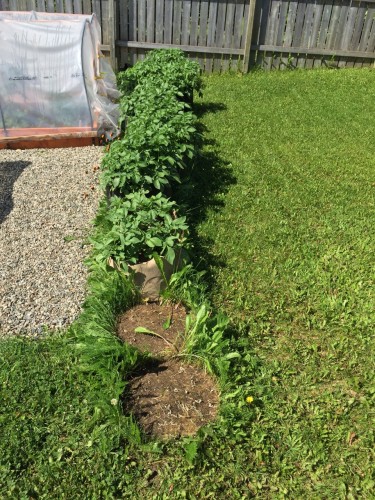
(249, 34)
(112, 24)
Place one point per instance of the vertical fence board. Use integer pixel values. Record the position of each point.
(359, 25)
(282, 23)
(256, 24)
(237, 33)
(228, 33)
(371, 38)
(248, 35)
(272, 30)
(202, 35)
(219, 36)
(263, 19)
(291, 21)
(59, 6)
(297, 36)
(318, 13)
(369, 20)
(243, 28)
(228, 28)
(86, 6)
(141, 31)
(307, 26)
(194, 25)
(50, 6)
(97, 10)
(243, 23)
(123, 30)
(41, 6)
(348, 32)
(324, 26)
(176, 27)
(349, 28)
(168, 20)
(212, 15)
(280, 61)
(77, 5)
(150, 34)
(185, 23)
(307, 62)
(69, 6)
(107, 23)
(132, 29)
(159, 21)
(341, 25)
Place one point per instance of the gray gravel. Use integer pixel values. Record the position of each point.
(48, 199)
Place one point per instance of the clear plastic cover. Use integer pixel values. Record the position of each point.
(53, 78)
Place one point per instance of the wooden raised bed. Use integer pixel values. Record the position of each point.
(64, 137)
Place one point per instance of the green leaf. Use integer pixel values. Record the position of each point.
(170, 255)
(191, 451)
(232, 355)
(141, 329)
(156, 242)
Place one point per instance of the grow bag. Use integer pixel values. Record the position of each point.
(54, 81)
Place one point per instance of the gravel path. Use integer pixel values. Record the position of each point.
(48, 199)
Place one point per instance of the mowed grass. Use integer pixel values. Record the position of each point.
(283, 217)
(292, 254)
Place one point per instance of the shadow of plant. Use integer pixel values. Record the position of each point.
(9, 173)
(201, 108)
(202, 190)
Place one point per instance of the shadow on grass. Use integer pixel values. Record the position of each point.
(9, 173)
(202, 108)
(201, 192)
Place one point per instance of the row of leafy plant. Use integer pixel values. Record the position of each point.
(143, 166)
(139, 220)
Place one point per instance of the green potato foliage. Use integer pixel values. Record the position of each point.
(133, 228)
(169, 66)
(158, 143)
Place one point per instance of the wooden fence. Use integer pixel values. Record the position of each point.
(307, 33)
(216, 33)
(230, 34)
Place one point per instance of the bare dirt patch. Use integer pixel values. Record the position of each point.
(167, 321)
(171, 398)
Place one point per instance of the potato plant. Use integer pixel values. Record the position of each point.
(144, 164)
(169, 66)
(133, 228)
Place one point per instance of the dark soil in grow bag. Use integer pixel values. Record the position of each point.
(169, 398)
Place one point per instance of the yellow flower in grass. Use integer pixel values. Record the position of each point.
(249, 399)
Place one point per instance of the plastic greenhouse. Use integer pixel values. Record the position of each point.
(55, 85)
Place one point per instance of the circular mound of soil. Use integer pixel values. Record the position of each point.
(171, 398)
(167, 321)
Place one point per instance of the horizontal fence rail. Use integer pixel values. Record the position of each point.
(230, 34)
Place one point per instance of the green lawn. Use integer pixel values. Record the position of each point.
(295, 243)
(283, 211)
